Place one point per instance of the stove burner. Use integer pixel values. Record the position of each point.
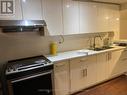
(27, 64)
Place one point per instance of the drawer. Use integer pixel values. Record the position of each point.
(124, 54)
(61, 65)
(80, 60)
(123, 60)
(84, 60)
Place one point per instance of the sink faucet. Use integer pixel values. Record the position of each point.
(94, 43)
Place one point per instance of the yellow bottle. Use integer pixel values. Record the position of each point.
(53, 48)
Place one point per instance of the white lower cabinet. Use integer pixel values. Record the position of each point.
(82, 73)
(124, 61)
(102, 67)
(79, 73)
(110, 65)
(116, 63)
(61, 78)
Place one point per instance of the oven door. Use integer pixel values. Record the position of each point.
(37, 84)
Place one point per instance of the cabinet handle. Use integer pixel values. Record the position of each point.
(60, 65)
(84, 72)
(106, 57)
(83, 60)
(109, 56)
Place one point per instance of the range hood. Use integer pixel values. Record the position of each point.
(22, 25)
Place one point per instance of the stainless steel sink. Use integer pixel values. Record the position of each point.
(101, 48)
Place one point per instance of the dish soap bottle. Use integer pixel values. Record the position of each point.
(53, 48)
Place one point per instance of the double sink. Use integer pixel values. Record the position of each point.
(101, 48)
(93, 49)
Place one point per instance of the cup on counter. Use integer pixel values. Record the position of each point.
(53, 48)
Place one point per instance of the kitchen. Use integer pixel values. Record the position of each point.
(75, 36)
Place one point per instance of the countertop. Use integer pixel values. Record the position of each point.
(79, 53)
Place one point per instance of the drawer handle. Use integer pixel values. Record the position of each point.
(60, 65)
(83, 60)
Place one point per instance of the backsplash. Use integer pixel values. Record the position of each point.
(20, 45)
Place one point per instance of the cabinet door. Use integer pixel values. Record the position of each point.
(108, 18)
(32, 9)
(102, 67)
(114, 22)
(88, 17)
(17, 13)
(53, 16)
(76, 75)
(61, 77)
(124, 60)
(114, 17)
(117, 64)
(103, 18)
(91, 70)
(71, 17)
(83, 73)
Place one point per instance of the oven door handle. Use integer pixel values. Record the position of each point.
(30, 77)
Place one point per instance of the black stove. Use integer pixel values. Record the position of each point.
(29, 76)
(27, 64)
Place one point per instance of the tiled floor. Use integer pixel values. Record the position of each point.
(117, 86)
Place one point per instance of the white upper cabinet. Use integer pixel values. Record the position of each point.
(103, 18)
(64, 17)
(52, 10)
(17, 13)
(71, 17)
(114, 23)
(96, 17)
(113, 16)
(108, 18)
(25, 10)
(31, 9)
(88, 17)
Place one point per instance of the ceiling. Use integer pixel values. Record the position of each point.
(113, 1)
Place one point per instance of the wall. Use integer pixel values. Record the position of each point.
(19, 45)
(123, 22)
